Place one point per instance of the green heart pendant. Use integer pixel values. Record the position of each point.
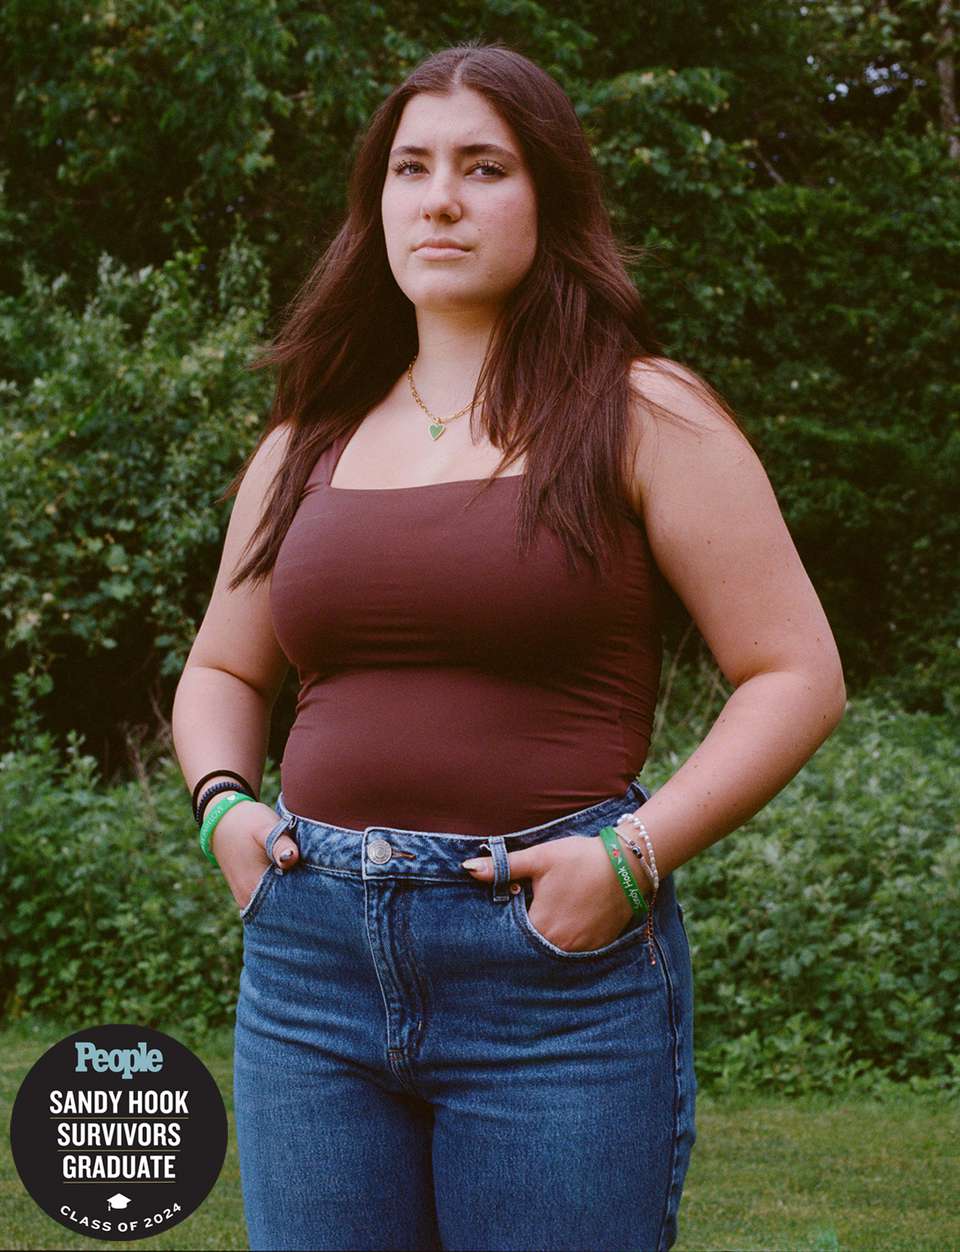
(436, 430)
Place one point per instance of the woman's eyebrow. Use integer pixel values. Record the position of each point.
(467, 149)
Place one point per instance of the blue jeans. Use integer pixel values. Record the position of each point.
(417, 1067)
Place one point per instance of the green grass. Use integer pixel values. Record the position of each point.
(809, 1174)
(818, 1175)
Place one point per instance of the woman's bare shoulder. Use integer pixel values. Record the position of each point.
(676, 419)
(667, 384)
(256, 477)
(271, 452)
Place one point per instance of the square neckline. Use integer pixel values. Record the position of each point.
(343, 440)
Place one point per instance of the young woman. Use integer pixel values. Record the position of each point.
(465, 1014)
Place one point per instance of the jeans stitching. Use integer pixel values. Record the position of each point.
(677, 1090)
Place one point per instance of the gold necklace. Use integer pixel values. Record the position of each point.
(437, 424)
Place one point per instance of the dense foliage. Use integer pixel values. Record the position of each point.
(168, 173)
(823, 933)
(822, 930)
(136, 417)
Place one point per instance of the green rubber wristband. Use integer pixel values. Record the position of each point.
(210, 820)
(622, 870)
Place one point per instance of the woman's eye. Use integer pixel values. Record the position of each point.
(490, 166)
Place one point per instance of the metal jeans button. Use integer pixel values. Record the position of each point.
(379, 852)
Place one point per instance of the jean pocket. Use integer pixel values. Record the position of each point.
(632, 933)
(260, 891)
(272, 872)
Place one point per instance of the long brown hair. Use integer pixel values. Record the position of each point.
(556, 372)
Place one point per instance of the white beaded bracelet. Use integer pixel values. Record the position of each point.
(651, 869)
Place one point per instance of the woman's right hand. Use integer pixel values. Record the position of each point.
(239, 843)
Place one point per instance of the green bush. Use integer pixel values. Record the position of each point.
(110, 912)
(122, 424)
(823, 933)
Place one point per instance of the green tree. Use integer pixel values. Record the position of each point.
(791, 171)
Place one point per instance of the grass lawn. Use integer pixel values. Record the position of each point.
(813, 1174)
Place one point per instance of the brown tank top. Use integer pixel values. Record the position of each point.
(445, 684)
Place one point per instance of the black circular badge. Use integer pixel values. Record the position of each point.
(119, 1132)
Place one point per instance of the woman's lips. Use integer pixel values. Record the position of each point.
(444, 253)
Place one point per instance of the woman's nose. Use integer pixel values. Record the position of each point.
(440, 198)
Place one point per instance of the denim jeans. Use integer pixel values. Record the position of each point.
(417, 1067)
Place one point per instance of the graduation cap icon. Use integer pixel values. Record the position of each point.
(118, 1201)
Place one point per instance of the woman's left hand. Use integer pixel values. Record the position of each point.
(578, 904)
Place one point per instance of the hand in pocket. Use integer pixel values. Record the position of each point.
(578, 904)
(239, 844)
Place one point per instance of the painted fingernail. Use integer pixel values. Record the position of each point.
(475, 863)
(285, 856)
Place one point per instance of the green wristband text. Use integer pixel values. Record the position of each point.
(622, 870)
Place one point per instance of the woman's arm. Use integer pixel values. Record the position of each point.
(719, 539)
(232, 676)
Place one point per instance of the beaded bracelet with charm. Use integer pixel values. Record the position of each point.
(651, 868)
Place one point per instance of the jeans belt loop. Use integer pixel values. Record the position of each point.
(501, 867)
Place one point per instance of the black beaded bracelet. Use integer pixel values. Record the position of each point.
(218, 773)
(215, 790)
